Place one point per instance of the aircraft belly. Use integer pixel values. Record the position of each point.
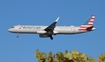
(28, 31)
(68, 31)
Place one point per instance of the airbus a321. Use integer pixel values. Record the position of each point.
(52, 29)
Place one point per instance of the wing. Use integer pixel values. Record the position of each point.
(52, 26)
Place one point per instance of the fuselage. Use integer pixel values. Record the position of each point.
(31, 29)
(52, 29)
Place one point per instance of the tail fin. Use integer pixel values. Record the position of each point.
(90, 21)
(88, 24)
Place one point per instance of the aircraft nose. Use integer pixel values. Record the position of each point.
(9, 30)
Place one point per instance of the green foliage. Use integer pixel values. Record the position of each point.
(73, 56)
(50, 54)
(101, 58)
(41, 56)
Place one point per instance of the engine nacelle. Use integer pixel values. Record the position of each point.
(41, 32)
(55, 32)
(43, 35)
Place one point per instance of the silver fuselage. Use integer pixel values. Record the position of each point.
(31, 29)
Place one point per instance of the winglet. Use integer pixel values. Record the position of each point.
(57, 19)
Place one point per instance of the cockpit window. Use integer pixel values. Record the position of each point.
(12, 27)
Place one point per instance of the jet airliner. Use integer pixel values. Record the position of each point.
(52, 29)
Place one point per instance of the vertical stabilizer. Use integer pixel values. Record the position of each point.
(88, 24)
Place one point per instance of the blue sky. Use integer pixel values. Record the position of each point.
(44, 12)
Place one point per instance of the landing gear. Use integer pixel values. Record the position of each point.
(17, 35)
(51, 37)
(50, 34)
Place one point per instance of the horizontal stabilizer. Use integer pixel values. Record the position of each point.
(89, 28)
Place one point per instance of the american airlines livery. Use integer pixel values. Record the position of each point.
(48, 31)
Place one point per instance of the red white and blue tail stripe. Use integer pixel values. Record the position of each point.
(88, 24)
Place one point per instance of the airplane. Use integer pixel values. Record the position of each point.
(52, 29)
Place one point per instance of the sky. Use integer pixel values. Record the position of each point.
(44, 12)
